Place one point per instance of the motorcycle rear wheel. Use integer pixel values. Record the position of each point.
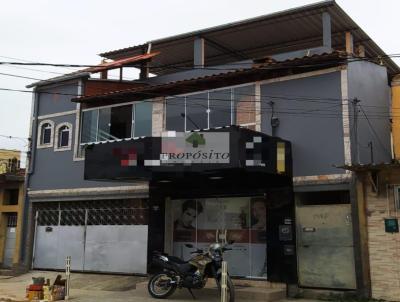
(159, 286)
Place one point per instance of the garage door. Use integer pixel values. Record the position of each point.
(105, 239)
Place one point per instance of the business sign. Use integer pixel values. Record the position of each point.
(216, 150)
(194, 148)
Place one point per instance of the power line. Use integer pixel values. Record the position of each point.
(374, 132)
(23, 139)
(13, 137)
(294, 97)
(289, 63)
(19, 76)
(34, 69)
(244, 101)
(45, 64)
(31, 69)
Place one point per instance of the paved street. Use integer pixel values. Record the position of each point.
(97, 287)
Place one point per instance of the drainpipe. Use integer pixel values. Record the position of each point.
(30, 167)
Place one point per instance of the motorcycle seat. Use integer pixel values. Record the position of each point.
(176, 260)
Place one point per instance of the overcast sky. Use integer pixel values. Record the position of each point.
(74, 32)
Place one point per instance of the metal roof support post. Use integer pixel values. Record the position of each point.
(326, 30)
(198, 53)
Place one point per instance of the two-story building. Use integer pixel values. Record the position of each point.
(12, 197)
(309, 75)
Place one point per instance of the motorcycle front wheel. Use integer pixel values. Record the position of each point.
(160, 286)
(230, 288)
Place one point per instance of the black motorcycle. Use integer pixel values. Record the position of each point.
(176, 273)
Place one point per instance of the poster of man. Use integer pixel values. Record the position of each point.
(203, 221)
(187, 219)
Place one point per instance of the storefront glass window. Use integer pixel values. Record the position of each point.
(89, 126)
(197, 111)
(175, 114)
(112, 123)
(143, 114)
(242, 219)
(115, 123)
(216, 108)
(220, 108)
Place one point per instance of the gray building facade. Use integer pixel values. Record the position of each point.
(313, 107)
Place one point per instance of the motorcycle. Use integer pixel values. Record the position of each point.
(192, 274)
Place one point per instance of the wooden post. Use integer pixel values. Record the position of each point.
(349, 43)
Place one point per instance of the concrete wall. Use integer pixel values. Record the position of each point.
(58, 170)
(368, 82)
(57, 99)
(309, 112)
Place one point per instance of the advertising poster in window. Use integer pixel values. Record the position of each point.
(203, 221)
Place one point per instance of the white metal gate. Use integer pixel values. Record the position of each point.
(9, 245)
(97, 239)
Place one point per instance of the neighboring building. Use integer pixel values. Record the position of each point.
(294, 74)
(378, 207)
(396, 116)
(12, 197)
(8, 158)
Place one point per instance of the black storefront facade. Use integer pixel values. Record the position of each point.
(229, 183)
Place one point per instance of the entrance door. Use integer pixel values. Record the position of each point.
(325, 246)
(241, 219)
(9, 246)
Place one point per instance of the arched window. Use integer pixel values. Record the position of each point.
(63, 137)
(45, 134)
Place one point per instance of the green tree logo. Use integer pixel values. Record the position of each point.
(196, 139)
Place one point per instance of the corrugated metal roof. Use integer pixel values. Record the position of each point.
(206, 82)
(121, 62)
(62, 78)
(101, 67)
(294, 29)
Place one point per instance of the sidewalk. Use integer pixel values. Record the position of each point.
(98, 287)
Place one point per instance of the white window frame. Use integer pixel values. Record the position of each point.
(57, 137)
(40, 133)
(110, 106)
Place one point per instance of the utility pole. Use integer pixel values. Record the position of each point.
(371, 149)
(355, 126)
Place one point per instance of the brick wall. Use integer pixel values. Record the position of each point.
(384, 248)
